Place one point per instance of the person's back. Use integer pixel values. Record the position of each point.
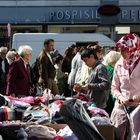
(60, 77)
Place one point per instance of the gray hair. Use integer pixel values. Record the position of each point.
(23, 50)
(10, 56)
(3, 49)
(111, 58)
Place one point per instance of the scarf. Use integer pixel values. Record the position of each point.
(132, 43)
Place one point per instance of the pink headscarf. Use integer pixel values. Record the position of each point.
(132, 43)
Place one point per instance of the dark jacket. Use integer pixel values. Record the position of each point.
(46, 68)
(99, 83)
(2, 77)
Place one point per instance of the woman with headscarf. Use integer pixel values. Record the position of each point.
(125, 83)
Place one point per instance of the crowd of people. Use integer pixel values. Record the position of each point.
(111, 80)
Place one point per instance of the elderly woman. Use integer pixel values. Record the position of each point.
(109, 61)
(19, 76)
(125, 83)
(10, 57)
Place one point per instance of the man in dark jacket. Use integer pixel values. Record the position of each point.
(47, 70)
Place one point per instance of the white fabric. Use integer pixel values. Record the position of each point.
(67, 134)
(50, 57)
(3, 66)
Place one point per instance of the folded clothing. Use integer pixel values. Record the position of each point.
(40, 131)
(7, 114)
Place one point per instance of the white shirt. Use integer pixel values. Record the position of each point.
(50, 57)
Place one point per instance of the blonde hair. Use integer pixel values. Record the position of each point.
(111, 58)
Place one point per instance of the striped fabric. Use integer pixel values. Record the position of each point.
(3, 114)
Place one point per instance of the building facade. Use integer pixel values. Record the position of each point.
(69, 16)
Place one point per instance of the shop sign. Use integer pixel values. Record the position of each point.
(74, 15)
(130, 15)
(67, 15)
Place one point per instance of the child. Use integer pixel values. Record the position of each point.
(60, 76)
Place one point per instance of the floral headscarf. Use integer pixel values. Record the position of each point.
(132, 43)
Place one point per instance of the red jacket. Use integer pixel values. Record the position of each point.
(18, 80)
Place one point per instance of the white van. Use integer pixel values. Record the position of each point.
(62, 40)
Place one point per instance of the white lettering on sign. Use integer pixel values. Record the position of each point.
(124, 13)
(73, 14)
(80, 14)
(87, 14)
(51, 14)
(60, 15)
(67, 14)
(97, 16)
(130, 15)
(127, 15)
(133, 15)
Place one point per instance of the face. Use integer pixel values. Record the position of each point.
(75, 50)
(125, 53)
(90, 61)
(27, 57)
(3, 54)
(50, 47)
(99, 54)
(13, 57)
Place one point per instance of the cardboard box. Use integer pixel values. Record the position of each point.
(107, 131)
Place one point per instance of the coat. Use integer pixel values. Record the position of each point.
(18, 80)
(99, 83)
(46, 68)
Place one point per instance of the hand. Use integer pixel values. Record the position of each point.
(136, 98)
(85, 87)
(76, 87)
(40, 81)
(12, 94)
(65, 75)
(123, 100)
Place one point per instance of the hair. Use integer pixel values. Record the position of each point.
(58, 58)
(73, 46)
(81, 48)
(47, 41)
(111, 58)
(13, 50)
(3, 49)
(23, 50)
(87, 53)
(68, 53)
(96, 48)
(10, 55)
